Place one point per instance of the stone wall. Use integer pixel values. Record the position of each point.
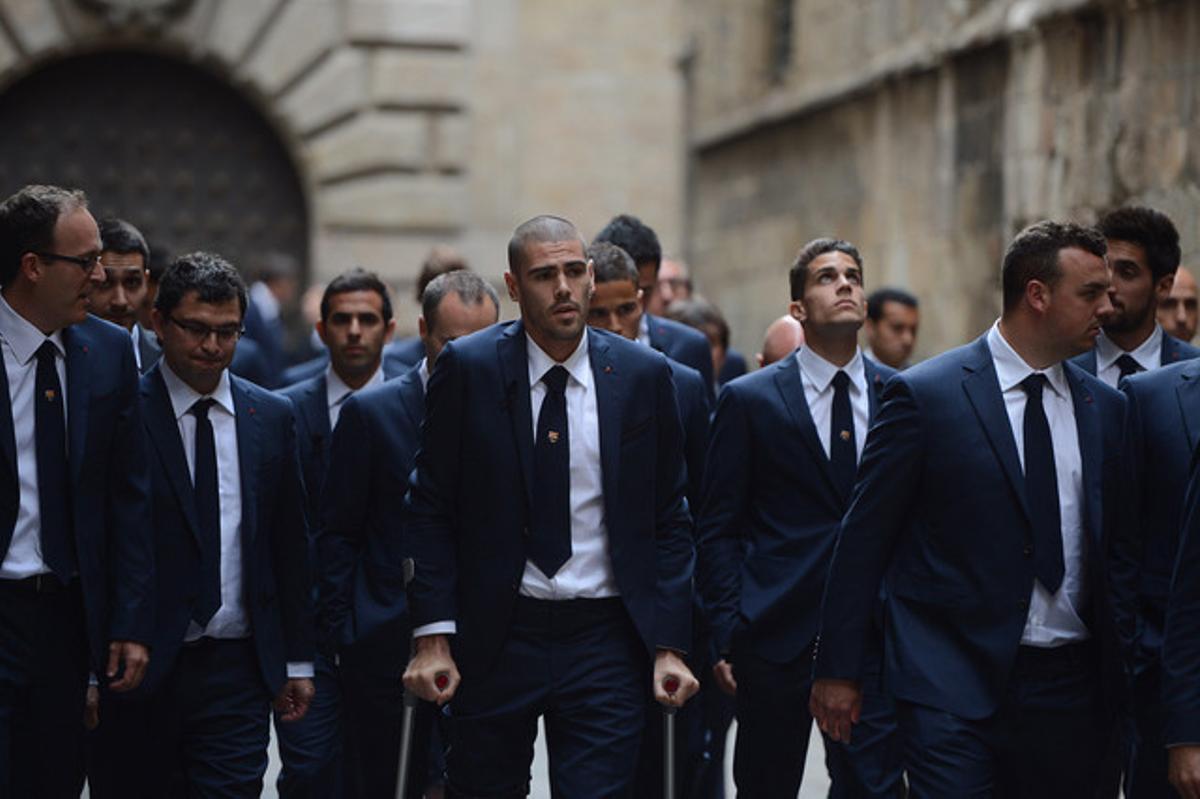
(929, 133)
(413, 122)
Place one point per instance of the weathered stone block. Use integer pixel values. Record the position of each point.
(421, 22)
(304, 30)
(452, 141)
(419, 78)
(234, 26)
(336, 88)
(395, 202)
(376, 142)
(35, 24)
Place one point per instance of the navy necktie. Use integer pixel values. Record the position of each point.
(208, 509)
(843, 455)
(1041, 488)
(54, 482)
(551, 541)
(1128, 366)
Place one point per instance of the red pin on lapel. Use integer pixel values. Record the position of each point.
(608, 370)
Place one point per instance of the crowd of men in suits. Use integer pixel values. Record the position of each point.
(977, 575)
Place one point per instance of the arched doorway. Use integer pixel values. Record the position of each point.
(162, 144)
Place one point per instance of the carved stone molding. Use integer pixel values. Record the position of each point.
(147, 13)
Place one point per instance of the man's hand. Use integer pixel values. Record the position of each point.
(135, 656)
(1183, 770)
(836, 705)
(671, 672)
(431, 674)
(91, 708)
(723, 674)
(293, 701)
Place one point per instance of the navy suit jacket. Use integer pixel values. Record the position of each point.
(733, 368)
(771, 512)
(473, 490)
(1173, 351)
(360, 552)
(1181, 638)
(684, 344)
(940, 508)
(691, 394)
(268, 339)
(311, 410)
(1162, 431)
(298, 373)
(109, 484)
(275, 576)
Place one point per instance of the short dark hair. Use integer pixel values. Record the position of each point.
(356, 279)
(117, 235)
(470, 288)
(1033, 255)
(634, 237)
(1151, 230)
(543, 228)
(798, 275)
(160, 259)
(27, 221)
(440, 260)
(209, 275)
(881, 297)
(610, 263)
(698, 313)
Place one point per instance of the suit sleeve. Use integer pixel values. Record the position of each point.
(130, 536)
(696, 432)
(887, 480)
(673, 524)
(1127, 534)
(1181, 637)
(721, 517)
(290, 553)
(343, 520)
(431, 499)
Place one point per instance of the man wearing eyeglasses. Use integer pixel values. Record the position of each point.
(233, 622)
(76, 574)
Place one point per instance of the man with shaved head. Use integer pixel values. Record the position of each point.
(550, 537)
(784, 336)
(1179, 312)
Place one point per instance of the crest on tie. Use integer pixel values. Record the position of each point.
(552, 436)
(845, 435)
(49, 393)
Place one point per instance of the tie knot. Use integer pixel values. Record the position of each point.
(841, 380)
(1127, 365)
(47, 351)
(1034, 384)
(556, 379)
(200, 407)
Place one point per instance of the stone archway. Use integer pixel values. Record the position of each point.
(160, 143)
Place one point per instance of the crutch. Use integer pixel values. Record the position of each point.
(670, 685)
(408, 718)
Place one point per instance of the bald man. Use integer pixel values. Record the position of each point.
(1178, 312)
(784, 336)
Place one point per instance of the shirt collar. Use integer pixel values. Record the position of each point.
(1147, 354)
(336, 389)
(1011, 368)
(23, 336)
(577, 364)
(820, 373)
(644, 329)
(183, 396)
(423, 373)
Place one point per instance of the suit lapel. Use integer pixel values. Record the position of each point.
(316, 418)
(514, 370)
(875, 383)
(1187, 391)
(791, 389)
(983, 390)
(609, 401)
(412, 398)
(8, 438)
(1087, 362)
(1091, 443)
(249, 449)
(78, 380)
(159, 416)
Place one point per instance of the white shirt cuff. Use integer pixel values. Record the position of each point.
(300, 670)
(92, 679)
(436, 628)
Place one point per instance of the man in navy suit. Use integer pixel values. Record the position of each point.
(675, 340)
(1181, 652)
(1143, 253)
(551, 537)
(356, 321)
(784, 454)
(987, 496)
(362, 608)
(76, 571)
(234, 611)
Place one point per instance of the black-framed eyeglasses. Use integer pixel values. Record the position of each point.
(85, 262)
(199, 331)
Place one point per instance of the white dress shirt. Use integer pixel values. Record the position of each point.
(1148, 355)
(337, 392)
(423, 373)
(135, 336)
(231, 620)
(643, 336)
(1052, 619)
(816, 374)
(20, 341)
